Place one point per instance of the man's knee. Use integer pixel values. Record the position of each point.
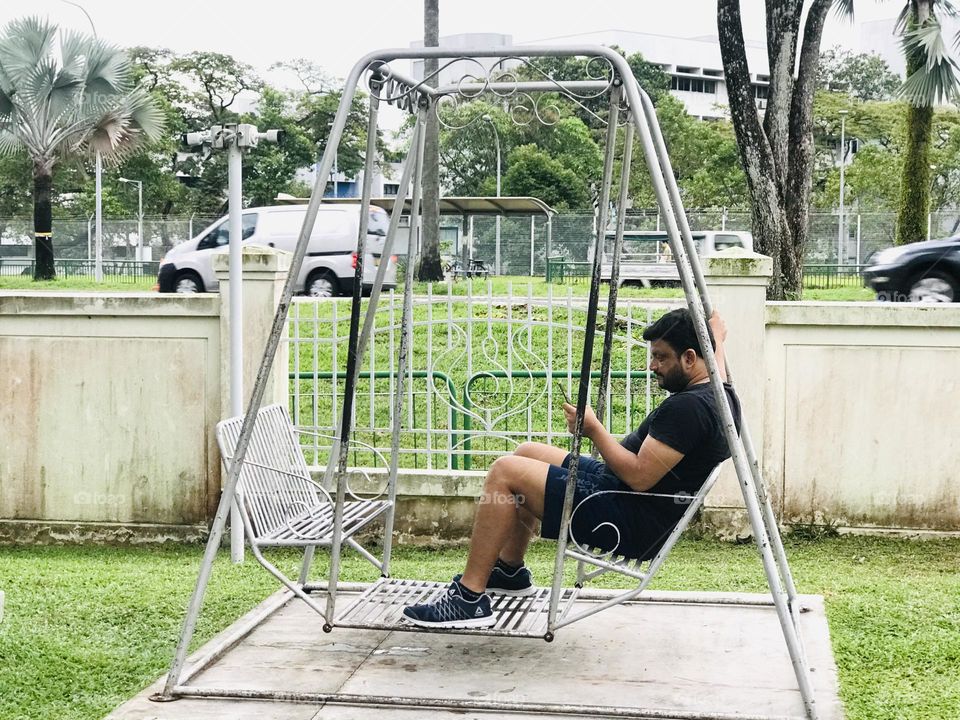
(506, 473)
(499, 471)
(539, 451)
(527, 449)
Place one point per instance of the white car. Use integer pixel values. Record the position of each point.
(328, 267)
(646, 258)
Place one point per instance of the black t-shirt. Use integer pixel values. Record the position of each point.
(688, 421)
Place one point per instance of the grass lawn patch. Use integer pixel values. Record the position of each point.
(501, 285)
(841, 294)
(79, 284)
(85, 628)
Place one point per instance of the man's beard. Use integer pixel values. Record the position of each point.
(675, 381)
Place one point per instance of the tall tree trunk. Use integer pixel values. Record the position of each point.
(915, 177)
(429, 268)
(777, 154)
(801, 151)
(42, 227)
(756, 154)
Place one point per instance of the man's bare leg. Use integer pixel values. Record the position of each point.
(498, 514)
(542, 451)
(523, 531)
(526, 522)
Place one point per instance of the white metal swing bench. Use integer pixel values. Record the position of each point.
(281, 505)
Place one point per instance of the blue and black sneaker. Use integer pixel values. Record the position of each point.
(506, 580)
(452, 610)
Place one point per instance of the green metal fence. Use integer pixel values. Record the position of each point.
(483, 375)
(131, 271)
(828, 277)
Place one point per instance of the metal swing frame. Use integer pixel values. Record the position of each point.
(554, 609)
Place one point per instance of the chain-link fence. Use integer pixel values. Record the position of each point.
(524, 244)
(525, 241)
(74, 238)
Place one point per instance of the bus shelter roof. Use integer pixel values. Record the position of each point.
(451, 205)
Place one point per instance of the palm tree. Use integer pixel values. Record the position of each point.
(56, 101)
(931, 79)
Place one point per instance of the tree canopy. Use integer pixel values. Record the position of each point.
(864, 76)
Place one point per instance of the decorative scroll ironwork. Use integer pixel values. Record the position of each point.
(501, 82)
(617, 551)
(484, 380)
(359, 470)
(386, 87)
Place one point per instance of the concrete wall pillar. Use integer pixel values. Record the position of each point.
(737, 282)
(264, 272)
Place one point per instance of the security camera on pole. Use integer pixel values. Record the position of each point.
(234, 138)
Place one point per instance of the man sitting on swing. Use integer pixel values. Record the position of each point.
(672, 453)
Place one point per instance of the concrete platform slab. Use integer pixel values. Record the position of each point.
(663, 657)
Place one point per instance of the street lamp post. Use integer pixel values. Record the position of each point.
(336, 171)
(98, 173)
(139, 184)
(98, 224)
(933, 180)
(235, 139)
(843, 162)
(496, 135)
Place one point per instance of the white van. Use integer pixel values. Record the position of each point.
(646, 257)
(328, 267)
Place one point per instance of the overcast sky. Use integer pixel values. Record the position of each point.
(336, 34)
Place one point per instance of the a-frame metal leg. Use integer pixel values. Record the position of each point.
(591, 322)
(277, 330)
(769, 515)
(354, 356)
(406, 331)
(760, 514)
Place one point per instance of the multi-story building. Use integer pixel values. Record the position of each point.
(451, 72)
(693, 64)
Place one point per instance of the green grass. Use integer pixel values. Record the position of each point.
(842, 294)
(500, 285)
(539, 287)
(75, 284)
(86, 628)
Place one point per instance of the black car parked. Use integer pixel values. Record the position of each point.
(918, 272)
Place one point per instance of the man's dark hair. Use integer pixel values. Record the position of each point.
(677, 330)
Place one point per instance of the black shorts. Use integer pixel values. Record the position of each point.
(607, 513)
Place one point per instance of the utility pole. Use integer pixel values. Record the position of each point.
(843, 162)
(234, 139)
(429, 268)
(98, 225)
(139, 184)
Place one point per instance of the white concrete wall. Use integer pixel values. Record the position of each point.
(862, 406)
(111, 403)
(108, 401)
(851, 406)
